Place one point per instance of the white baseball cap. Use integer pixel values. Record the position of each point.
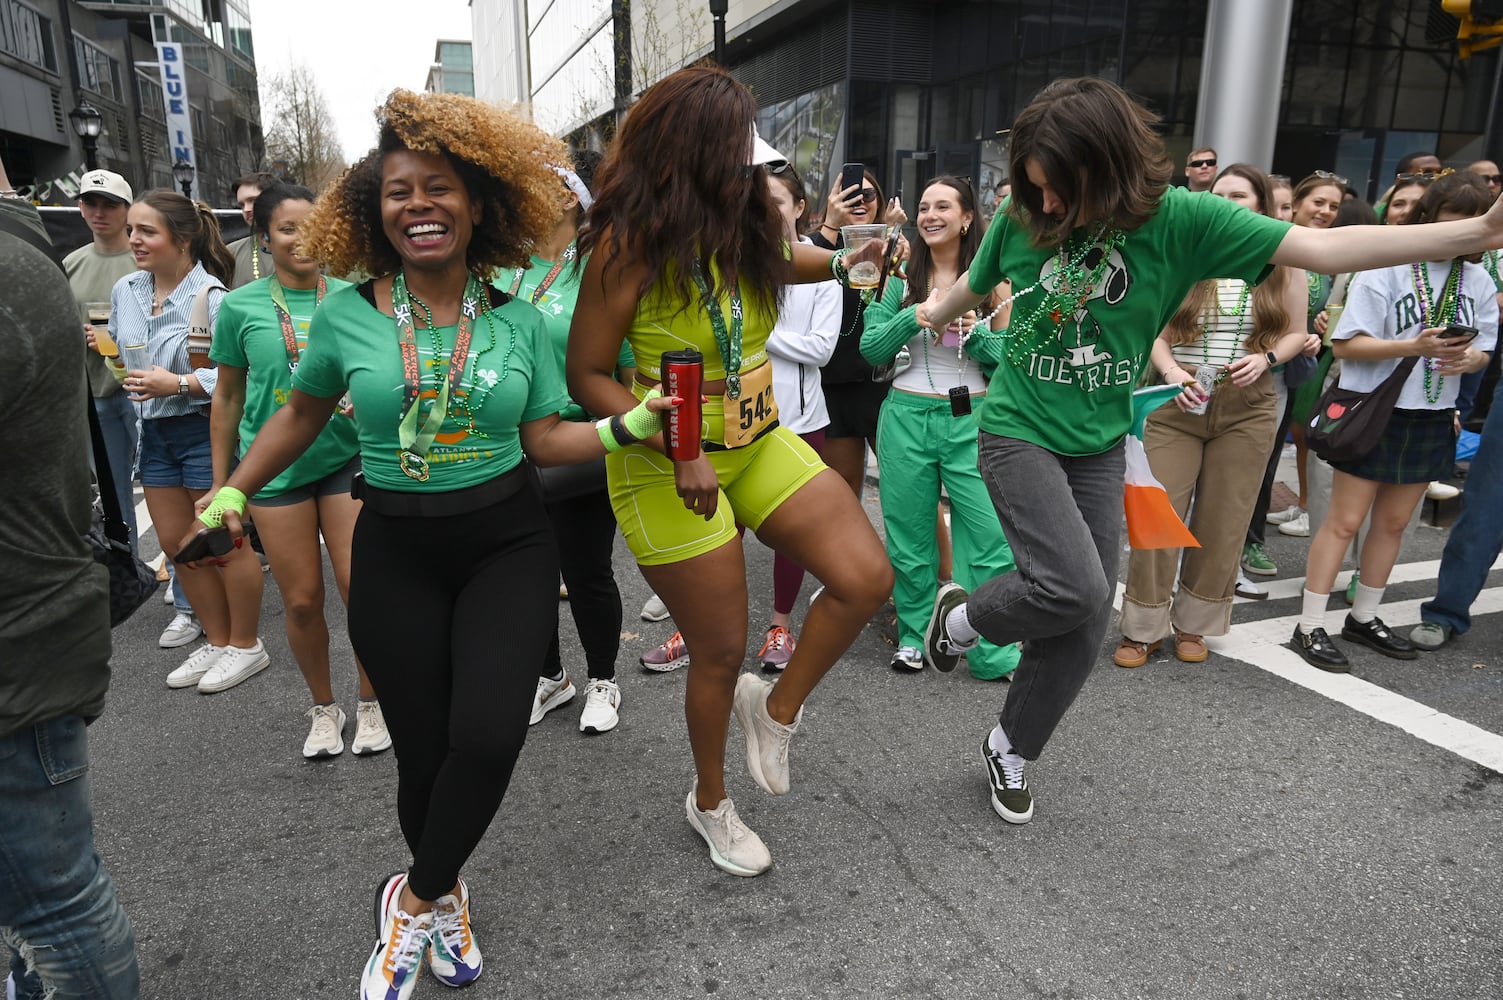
(762, 151)
(107, 183)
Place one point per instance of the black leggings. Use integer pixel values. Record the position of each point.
(451, 617)
(1257, 528)
(584, 528)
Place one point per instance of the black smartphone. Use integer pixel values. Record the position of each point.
(1461, 333)
(209, 542)
(852, 175)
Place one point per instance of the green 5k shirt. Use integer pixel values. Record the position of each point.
(1073, 394)
(248, 335)
(510, 377)
(556, 303)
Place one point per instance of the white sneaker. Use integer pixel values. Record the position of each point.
(1246, 588)
(392, 970)
(326, 734)
(766, 739)
(602, 698)
(183, 629)
(549, 695)
(235, 665)
(370, 729)
(908, 658)
(734, 848)
(1441, 491)
(1282, 516)
(195, 666)
(1298, 526)
(654, 610)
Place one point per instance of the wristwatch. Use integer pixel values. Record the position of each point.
(1273, 359)
(182, 385)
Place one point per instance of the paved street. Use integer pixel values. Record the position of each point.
(1246, 827)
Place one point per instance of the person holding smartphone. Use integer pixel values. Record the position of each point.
(1444, 312)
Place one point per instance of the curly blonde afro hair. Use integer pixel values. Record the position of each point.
(504, 162)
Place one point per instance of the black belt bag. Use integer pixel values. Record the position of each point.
(450, 503)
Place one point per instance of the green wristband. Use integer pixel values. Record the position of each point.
(228, 498)
(640, 422)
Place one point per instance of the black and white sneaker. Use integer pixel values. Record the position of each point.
(1377, 636)
(942, 652)
(1011, 798)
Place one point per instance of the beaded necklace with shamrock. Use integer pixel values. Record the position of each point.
(1240, 312)
(1432, 315)
(1072, 289)
(477, 376)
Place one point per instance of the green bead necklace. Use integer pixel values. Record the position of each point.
(1073, 288)
(478, 376)
(1432, 315)
(1240, 312)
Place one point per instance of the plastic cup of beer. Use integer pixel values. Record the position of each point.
(867, 273)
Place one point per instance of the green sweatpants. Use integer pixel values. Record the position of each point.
(921, 444)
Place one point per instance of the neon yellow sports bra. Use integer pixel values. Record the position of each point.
(661, 324)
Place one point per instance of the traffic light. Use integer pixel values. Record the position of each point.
(1481, 24)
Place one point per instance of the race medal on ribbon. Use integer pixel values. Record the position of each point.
(414, 466)
(750, 413)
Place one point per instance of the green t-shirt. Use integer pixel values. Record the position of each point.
(557, 306)
(248, 335)
(1073, 394)
(509, 379)
(92, 276)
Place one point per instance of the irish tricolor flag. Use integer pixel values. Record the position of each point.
(1151, 520)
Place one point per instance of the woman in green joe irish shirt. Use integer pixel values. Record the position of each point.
(1102, 251)
(453, 569)
(259, 338)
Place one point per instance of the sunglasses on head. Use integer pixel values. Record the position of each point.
(778, 167)
(1326, 175)
(1202, 163)
(1422, 176)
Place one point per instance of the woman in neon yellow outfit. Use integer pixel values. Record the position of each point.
(686, 250)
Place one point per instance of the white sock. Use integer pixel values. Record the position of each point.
(959, 627)
(1313, 615)
(1365, 607)
(998, 740)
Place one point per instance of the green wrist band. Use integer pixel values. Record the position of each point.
(228, 498)
(838, 269)
(640, 422)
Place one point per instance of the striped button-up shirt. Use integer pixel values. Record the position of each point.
(165, 335)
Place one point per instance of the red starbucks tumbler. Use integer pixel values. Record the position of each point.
(684, 377)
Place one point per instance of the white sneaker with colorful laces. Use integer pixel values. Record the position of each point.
(453, 955)
(392, 971)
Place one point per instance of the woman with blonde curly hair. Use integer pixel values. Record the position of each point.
(452, 598)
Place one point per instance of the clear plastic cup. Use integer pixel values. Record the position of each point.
(867, 273)
(137, 357)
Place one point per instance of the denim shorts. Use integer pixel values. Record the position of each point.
(334, 484)
(175, 451)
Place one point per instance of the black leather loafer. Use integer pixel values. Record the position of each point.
(1375, 635)
(1320, 652)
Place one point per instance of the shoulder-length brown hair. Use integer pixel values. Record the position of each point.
(502, 160)
(1270, 319)
(194, 225)
(675, 191)
(1098, 148)
(1463, 193)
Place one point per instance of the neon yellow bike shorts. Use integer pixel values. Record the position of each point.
(754, 482)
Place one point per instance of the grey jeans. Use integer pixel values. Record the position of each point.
(1063, 518)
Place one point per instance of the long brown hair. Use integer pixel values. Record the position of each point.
(192, 223)
(675, 192)
(1098, 148)
(1464, 194)
(1270, 318)
(921, 261)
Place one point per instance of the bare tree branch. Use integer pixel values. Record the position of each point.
(301, 130)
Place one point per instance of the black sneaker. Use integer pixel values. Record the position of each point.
(1011, 798)
(1320, 652)
(942, 652)
(1375, 635)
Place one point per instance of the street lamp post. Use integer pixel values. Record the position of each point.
(718, 10)
(88, 123)
(182, 172)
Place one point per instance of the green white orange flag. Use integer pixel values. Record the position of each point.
(1151, 520)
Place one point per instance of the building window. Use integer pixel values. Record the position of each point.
(149, 97)
(97, 71)
(27, 35)
(239, 25)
